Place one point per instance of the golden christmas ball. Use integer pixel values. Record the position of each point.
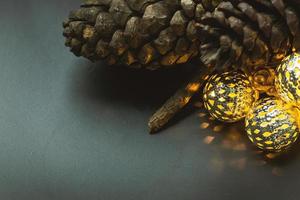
(272, 124)
(287, 81)
(229, 96)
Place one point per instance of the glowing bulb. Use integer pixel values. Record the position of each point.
(272, 125)
(287, 81)
(229, 96)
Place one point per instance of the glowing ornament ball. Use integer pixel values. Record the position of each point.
(287, 80)
(229, 96)
(272, 125)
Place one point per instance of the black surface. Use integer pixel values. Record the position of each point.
(70, 129)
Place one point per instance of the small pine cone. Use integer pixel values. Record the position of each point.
(159, 33)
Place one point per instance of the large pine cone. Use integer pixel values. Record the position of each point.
(158, 33)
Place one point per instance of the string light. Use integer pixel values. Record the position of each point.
(287, 79)
(229, 96)
(272, 123)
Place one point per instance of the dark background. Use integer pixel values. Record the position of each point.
(70, 129)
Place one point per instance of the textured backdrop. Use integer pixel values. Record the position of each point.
(73, 130)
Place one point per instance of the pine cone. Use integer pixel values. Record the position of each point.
(137, 33)
(158, 33)
(250, 32)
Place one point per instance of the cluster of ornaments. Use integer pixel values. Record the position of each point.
(272, 122)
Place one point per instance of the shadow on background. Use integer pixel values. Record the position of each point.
(137, 88)
(130, 86)
(147, 90)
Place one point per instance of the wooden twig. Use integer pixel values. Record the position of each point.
(179, 100)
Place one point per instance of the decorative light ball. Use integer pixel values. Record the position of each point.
(287, 81)
(272, 124)
(229, 96)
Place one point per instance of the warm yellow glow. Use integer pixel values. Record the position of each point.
(186, 100)
(183, 59)
(263, 80)
(208, 139)
(202, 114)
(193, 87)
(218, 128)
(204, 125)
(88, 32)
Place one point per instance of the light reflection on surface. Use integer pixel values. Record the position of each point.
(234, 149)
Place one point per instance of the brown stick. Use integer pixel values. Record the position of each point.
(181, 98)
